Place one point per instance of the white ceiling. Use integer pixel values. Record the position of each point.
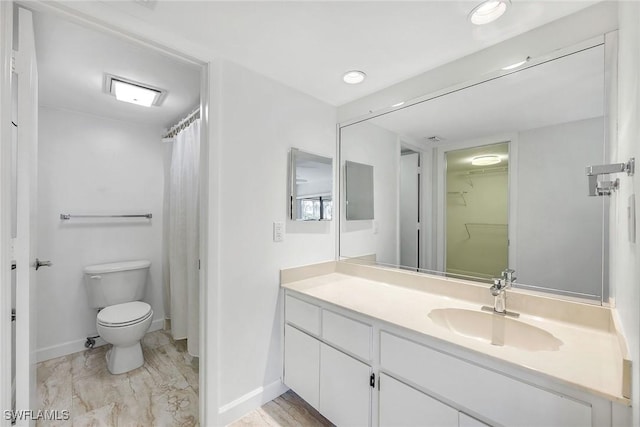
(72, 61)
(308, 45)
(564, 90)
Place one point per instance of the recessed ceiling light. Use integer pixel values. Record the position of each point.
(488, 11)
(354, 77)
(517, 64)
(485, 160)
(399, 104)
(133, 92)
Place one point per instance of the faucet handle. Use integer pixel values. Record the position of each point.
(509, 275)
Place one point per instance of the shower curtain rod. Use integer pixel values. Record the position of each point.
(182, 124)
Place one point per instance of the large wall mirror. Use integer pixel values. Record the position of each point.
(491, 176)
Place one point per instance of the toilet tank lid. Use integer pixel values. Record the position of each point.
(117, 266)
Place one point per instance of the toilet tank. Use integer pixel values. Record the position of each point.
(116, 282)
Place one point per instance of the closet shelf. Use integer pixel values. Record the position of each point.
(460, 194)
(469, 226)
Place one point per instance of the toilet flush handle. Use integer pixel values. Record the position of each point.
(95, 277)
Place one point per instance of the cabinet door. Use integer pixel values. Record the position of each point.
(345, 393)
(401, 405)
(467, 421)
(301, 364)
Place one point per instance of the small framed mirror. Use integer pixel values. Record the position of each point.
(358, 181)
(310, 186)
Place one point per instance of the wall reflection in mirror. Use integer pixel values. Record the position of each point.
(491, 177)
(310, 186)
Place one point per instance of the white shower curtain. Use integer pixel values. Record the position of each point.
(182, 241)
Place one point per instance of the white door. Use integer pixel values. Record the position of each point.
(345, 393)
(25, 242)
(409, 210)
(302, 365)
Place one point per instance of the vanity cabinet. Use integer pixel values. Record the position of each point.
(321, 351)
(331, 355)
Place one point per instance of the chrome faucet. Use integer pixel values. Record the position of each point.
(498, 290)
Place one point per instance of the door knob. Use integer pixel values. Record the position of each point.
(42, 264)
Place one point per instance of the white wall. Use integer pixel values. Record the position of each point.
(559, 228)
(89, 164)
(625, 256)
(372, 145)
(257, 121)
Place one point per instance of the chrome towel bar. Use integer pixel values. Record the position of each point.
(69, 216)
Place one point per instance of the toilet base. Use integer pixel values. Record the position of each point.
(124, 359)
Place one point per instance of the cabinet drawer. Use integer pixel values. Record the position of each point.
(348, 334)
(498, 397)
(401, 405)
(302, 314)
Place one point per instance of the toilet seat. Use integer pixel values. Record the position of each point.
(126, 314)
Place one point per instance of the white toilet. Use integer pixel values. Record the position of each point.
(116, 289)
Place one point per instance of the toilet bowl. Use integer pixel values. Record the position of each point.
(123, 326)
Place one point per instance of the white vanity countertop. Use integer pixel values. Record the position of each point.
(590, 356)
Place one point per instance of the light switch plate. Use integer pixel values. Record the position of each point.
(631, 217)
(278, 231)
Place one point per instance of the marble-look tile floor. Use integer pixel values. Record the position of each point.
(288, 410)
(163, 392)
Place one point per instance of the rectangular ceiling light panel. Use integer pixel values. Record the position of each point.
(133, 92)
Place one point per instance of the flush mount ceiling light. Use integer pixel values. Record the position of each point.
(488, 11)
(133, 92)
(354, 77)
(485, 160)
(517, 64)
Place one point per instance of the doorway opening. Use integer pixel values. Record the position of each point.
(477, 211)
(102, 174)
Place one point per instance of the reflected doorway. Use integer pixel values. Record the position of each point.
(477, 211)
(409, 208)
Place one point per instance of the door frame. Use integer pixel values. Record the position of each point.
(6, 51)
(110, 24)
(403, 143)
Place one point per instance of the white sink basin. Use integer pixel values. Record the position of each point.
(495, 329)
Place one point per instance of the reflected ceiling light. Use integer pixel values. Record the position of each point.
(399, 104)
(354, 77)
(485, 160)
(133, 92)
(488, 11)
(517, 64)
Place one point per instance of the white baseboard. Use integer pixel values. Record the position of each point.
(253, 400)
(71, 347)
